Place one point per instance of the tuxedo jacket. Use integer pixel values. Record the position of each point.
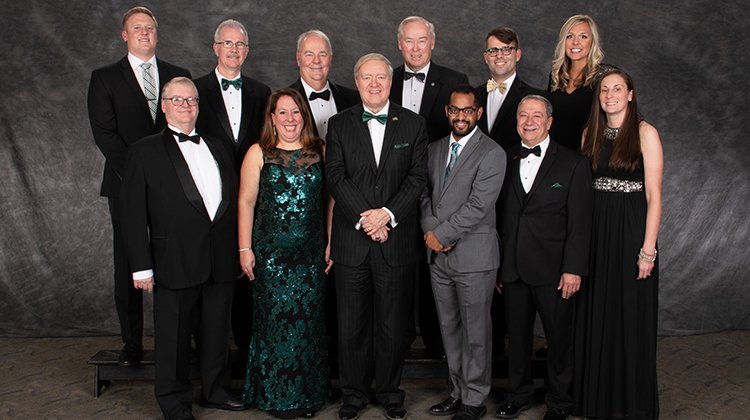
(460, 210)
(213, 120)
(547, 232)
(504, 130)
(437, 91)
(343, 96)
(167, 227)
(358, 184)
(119, 114)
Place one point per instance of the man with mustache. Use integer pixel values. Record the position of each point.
(465, 174)
(231, 109)
(123, 104)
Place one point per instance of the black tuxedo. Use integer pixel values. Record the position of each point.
(213, 120)
(437, 91)
(194, 260)
(343, 96)
(546, 232)
(374, 278)
(119, 116)
(504, 130)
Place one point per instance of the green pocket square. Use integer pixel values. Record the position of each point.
(556, 185)
(401, 145)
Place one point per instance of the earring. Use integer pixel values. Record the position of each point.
(274, 129)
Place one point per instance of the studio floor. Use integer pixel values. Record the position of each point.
(700, 377)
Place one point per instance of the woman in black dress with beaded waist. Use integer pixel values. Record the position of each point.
(620, 321)
(576, 68)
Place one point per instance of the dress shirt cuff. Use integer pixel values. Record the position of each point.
(143, 275)
(358, 226)
(393, 218)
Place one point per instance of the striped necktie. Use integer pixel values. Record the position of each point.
(149, 89)
(452, 161)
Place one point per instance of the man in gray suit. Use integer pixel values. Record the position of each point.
(465, 176)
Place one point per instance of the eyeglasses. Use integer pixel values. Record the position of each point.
(506, 50)
(178, 100)
(231, 44)
(468, 111)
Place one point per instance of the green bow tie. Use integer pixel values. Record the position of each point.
(367, 116)
(237, 83)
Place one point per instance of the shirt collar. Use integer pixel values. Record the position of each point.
(136, 62)
(464, 139)
(220, 76)
(308, 89)
(425, 69)
(542, 146)
(177, 130)
(384, 110)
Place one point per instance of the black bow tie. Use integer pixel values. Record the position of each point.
(181, 137)
(324, 95)
(420, 76)
(237, 83)
(525, 151)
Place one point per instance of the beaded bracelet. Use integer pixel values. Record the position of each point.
(642, 256)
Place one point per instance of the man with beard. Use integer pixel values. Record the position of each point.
(465, 176)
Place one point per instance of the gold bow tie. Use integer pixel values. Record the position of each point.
(492, 85)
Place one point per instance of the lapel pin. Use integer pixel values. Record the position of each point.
(394, 119)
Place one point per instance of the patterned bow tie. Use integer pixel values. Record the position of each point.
(492, 85)
(181, 137)
(237, 83)
(420, 76)
(525, 151)
(324, 95)
(367, 116)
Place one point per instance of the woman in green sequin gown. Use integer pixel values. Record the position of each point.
(283, 249)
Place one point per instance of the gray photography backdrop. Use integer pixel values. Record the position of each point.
(689, 61)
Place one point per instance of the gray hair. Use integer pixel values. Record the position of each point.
(314, 32)
(547, 104)
(410, 19)
(230, 23)
(179, 80)
(370, 57)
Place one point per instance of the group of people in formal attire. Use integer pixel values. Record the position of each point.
(311, 220)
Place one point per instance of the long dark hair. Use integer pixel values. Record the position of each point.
(626, 150)
(268, 139)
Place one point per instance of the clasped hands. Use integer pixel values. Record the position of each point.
(374, 223)
(432, 242)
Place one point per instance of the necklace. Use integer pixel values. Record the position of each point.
(611, 133)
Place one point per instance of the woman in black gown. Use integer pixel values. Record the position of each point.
(576, 68)
(619, 370)
(283, 240)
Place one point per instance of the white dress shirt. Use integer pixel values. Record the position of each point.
(529, 166)
(495, 101)
(377, 136)
(135, 64)
(462, 142)
(321, 110)
(232, 103)
(205, 173)
(411, 96)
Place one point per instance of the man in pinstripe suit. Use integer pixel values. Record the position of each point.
(376, 167)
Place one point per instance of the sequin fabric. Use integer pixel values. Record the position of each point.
(287, 359)
(617, 185)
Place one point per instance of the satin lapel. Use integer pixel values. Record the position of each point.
(397, 85)
(130, 78)
(183, 173)
(225, 184)
(216, 102)
(463, 157)
(481, 93)
(431, 88)
(389, 139)
(511, 99)
(247, 111)
(363, 133)
(515, 169)
(547, 162)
